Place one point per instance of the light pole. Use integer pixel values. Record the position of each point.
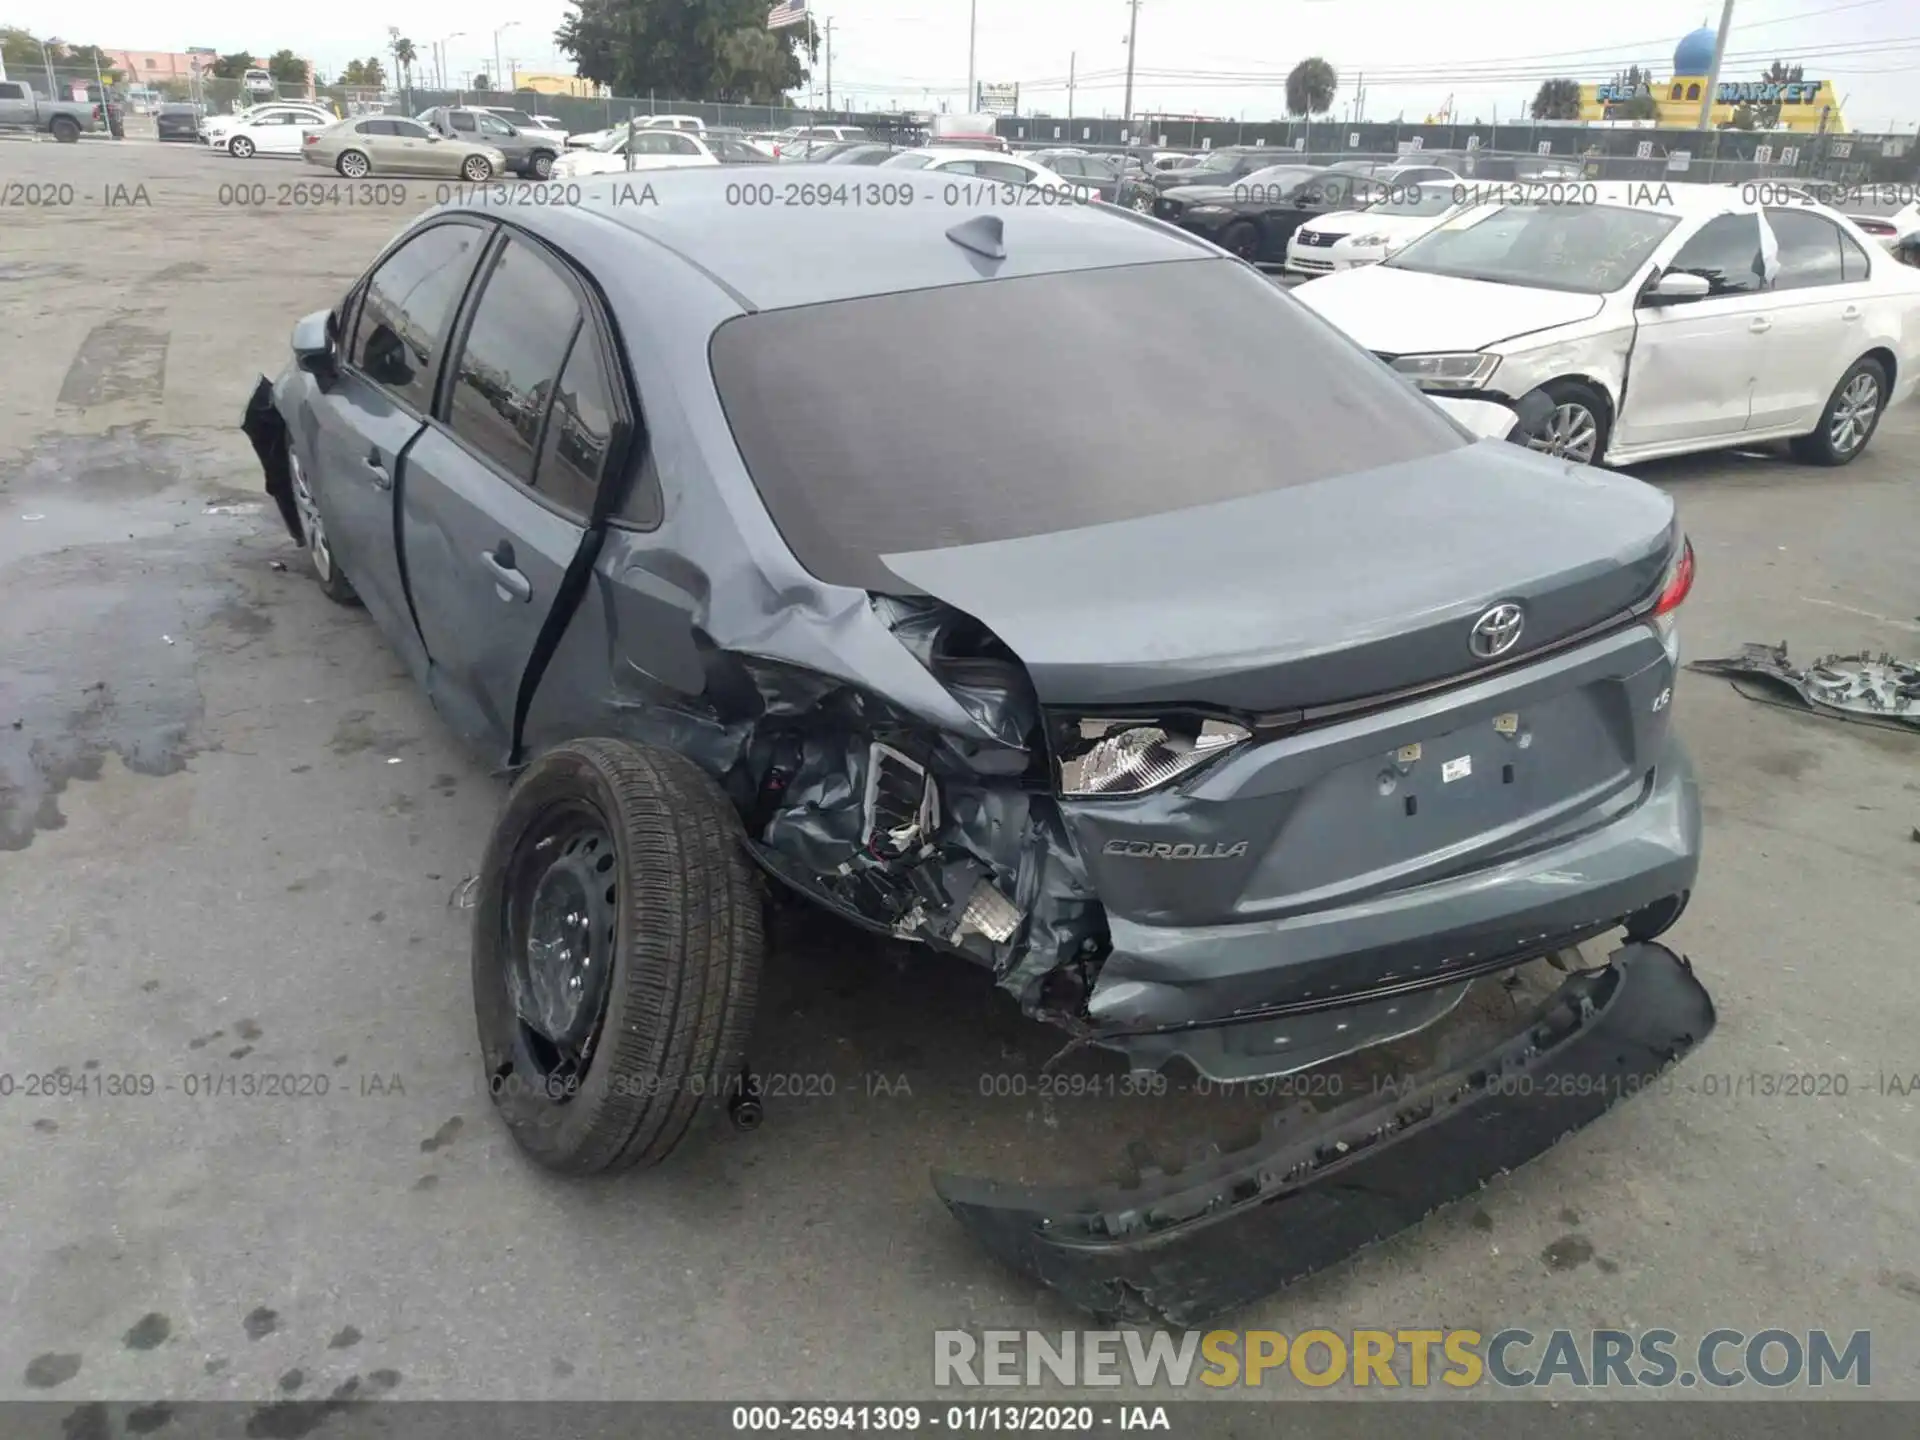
(1133, 31)
(441, 63)
(495, 77)
(973, 21)
(1713, 74)
(47, 60)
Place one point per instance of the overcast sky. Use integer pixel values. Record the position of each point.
(1212, 57)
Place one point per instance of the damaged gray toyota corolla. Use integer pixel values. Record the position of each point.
(833, 540)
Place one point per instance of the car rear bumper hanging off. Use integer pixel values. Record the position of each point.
(1191, 1244)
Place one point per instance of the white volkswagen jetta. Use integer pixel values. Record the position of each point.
(1657, 319)
(1349, 238)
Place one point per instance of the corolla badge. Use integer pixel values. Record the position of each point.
(1497, 631)
(1161, 850)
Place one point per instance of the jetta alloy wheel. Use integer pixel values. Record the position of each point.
(1570, 432)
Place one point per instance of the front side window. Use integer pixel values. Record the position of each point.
(489, 125)
(681, 145)
(407, 130)
(1726, 254)
(1809, 250)
(511, 357)
(1002, 171)
(408, 306)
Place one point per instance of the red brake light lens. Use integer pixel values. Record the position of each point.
(1679, 582)
(1876, 227)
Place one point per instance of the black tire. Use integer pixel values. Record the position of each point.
(678, 930)
(65, 129)
(541, 165)
(353, 164)
(1837, 442)
(334, 583)
(1242, 238)
(476, 169)
(240, 148)
(1577, 425)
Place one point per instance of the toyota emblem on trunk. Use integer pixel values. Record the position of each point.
(1497, 631)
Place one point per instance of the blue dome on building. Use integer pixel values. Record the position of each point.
(1694, 54)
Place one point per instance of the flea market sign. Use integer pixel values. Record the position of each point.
(1767, 92)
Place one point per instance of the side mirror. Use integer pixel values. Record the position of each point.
(313, 346)
(1676, 287)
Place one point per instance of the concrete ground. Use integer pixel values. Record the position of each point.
(230, 829)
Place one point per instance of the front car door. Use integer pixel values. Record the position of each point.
(365, 423)
(278, 132)
(494, 507)
(1819, 299)
(410, 146)
(1696, 363)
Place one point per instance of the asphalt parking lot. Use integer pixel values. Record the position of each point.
(231, 830)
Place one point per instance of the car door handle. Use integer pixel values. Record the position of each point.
(1759, 325)
(1852, 312)
(377, 473)
(508, 582)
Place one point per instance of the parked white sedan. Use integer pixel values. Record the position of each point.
(217, 129)
(1657, 318)
(987, 165)
(640, 149)
(276, 132)
(1367, 236)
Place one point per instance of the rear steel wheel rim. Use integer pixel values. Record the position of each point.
(310, 522)
(1854, 415)
(560, 922)
(1570, 432)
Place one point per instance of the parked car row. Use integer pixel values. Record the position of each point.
(1656, 321)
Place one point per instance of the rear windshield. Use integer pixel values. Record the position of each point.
(995, 410)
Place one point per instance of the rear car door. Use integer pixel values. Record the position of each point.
(399, 323)
(495, 507)
(1695, 364)
(1818, 303)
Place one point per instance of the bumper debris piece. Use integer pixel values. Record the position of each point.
(265, 428)
(1189, 1245)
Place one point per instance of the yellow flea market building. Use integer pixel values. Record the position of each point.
(1809, 105)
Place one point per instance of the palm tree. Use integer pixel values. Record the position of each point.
(404, 56)
(1767, 114)
(1556, 100)
(1310, 87)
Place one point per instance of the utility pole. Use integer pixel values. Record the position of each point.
(1133, 30)
(829, 64)
(973, 21)
(1713, 75)
(1072, 59)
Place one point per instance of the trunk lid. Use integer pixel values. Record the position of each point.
(1333, 591)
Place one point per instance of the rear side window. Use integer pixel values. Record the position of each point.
(1853, 259)
(511, 357)
(1809, 249)
(1725, 253)
(460, 121)
(1026, 406)
(408, 306)
(579, 431)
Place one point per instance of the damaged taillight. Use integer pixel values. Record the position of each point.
(1674, 589)
(1131, 757)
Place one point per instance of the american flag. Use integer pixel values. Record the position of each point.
(788, 12)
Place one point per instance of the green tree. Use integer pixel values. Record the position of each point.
(1556, 100)
(1311, 86)
(20, 49)
(1767, 114)
(1743, 118)
(373, 73)
(1641, 106)
(694, 49)
(287, 68)
(482, 82)
(234, 66)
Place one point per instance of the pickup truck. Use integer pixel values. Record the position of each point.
(65, 120)
(529, 152)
